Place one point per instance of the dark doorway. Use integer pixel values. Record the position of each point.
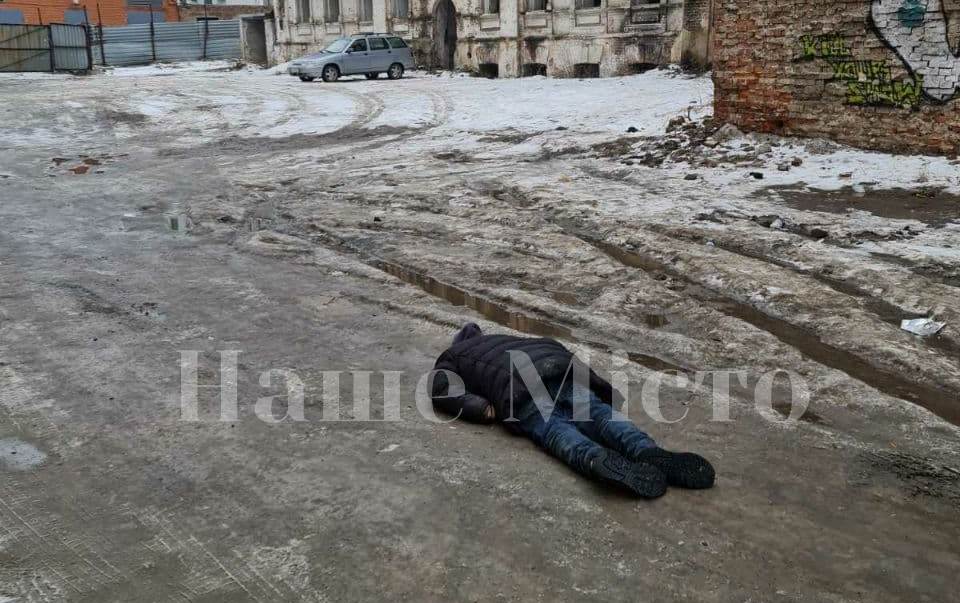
(532, 69)
(634, 68)
(489, 70)
(444, 33)
(586, 70)
(253, 40)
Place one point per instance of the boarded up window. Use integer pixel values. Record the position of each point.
(11, 16)
(331, 11)
(140, 17)
(75, 16)
(366, 10)
(303, 11)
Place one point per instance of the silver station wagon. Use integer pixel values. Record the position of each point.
(367, 53)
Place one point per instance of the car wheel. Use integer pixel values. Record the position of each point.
(331, 73)
(372, 76)
(304, 78)
(395, 72)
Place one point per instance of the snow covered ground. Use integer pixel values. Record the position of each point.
(355, 224)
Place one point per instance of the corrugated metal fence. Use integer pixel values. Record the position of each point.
(185, 41)
(44, 48)
(61, 47)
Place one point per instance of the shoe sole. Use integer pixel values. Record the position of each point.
(640, 478)
(683, 470)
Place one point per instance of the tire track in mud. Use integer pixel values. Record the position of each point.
(943, 274)
(886, 311)
(935, 398)
(27, 524)
(370, 107)
(495, 311)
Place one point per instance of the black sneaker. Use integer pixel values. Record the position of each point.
(642, 479)
(682, 469)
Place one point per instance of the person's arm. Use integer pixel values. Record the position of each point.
(463, 404)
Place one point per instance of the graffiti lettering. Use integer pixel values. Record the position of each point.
(885, 93)
(825, 47)
(861, 71)
(869, 83)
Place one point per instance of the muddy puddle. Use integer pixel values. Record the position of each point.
(935, 399)
(534, 326)
(931, 206)
(513, 319)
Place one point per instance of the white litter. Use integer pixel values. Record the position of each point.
(923, 327)
(390, 448)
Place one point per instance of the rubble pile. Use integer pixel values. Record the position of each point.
(709, 144)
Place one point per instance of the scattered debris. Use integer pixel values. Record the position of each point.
(757, 175)
(727, 133)
(924, 327)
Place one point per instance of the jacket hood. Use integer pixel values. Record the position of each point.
(469, 331)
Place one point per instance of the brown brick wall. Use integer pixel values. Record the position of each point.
(825, 68)
(114, 12)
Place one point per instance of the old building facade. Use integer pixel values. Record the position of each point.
(509, 38)
(880, 74)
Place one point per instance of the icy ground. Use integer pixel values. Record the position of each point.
(353, 226)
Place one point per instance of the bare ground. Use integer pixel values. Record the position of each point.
(221, 224)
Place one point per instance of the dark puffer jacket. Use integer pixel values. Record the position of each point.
(483, 363)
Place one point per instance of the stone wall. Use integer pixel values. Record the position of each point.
(618, 37)
(881, 74)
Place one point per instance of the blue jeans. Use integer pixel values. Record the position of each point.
(577, 443)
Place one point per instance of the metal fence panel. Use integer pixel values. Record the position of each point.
(179, 41)
(69, 47)
(27, 47)
(127, 45)
(223, 41)
(24, 48)
(184, 41)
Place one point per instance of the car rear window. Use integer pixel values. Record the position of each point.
(396, 43)
(377, 44)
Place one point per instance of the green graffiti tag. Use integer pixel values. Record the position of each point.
(886, 93)
(853, 70)
(825, 47)
(869, 82)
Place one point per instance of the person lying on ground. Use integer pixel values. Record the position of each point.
(487, 378)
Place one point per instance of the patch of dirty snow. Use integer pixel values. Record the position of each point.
(17, 455)
(170, 68)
